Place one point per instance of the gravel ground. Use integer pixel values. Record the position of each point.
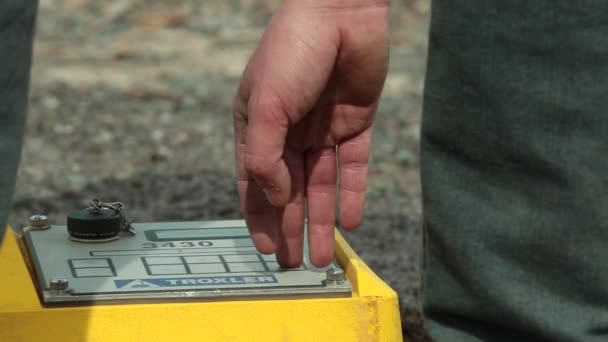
(131, 101)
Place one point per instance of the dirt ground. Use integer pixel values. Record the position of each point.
(131, 101)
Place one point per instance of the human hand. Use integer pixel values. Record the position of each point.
(303, 116)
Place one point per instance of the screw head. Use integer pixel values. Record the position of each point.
(39, 222)
(334, 276)
(58, 284)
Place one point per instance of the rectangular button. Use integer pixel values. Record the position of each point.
(80, 263)
(163, 260)
(167, 269)
(93, 272)
(241, 257)
(246, 267)
(202, 259)
(207, 268)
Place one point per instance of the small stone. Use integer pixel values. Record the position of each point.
(157, 135)
(50, 102)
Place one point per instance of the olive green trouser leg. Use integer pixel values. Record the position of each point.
(16, 32)
(515, 171)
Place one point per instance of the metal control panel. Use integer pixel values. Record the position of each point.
(170, 261)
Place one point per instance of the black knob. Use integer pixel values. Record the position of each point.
(87, 226)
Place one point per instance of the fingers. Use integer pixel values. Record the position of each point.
(266, 133)
(261, 217)
(321, 201)
(353, 157)
(291, 232)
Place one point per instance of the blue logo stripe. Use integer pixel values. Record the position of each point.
(197, 281)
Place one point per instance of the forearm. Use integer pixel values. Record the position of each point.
(16, 35)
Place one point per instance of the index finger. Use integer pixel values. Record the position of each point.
(261, 217)
(265, 143)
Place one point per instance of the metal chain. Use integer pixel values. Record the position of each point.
(98, 205)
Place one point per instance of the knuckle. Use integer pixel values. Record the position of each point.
(271, 104)
(354, 167)
(322, 189)
(239, 115)
(257, 165)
